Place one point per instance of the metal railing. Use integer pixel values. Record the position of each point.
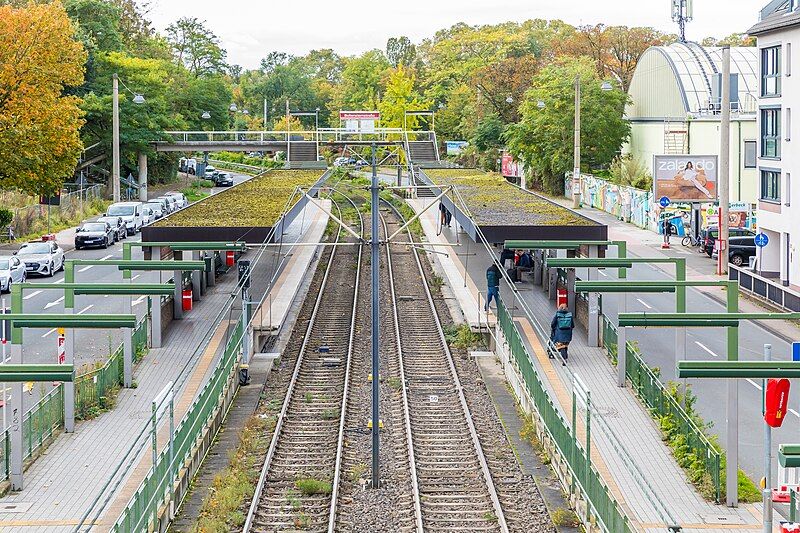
(604, 506)
(41, 421)
(664, 407)
(319, 135)
(141, 511)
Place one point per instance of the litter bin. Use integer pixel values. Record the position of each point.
(244, 375)
(187, 300)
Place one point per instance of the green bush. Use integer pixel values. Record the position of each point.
(630, 171)
(5, 217)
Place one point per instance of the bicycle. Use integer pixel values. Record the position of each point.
(690, 241)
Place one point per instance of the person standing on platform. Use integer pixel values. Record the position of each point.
(492, 286)
(561, 331)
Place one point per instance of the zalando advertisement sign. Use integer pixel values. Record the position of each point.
(685, 178)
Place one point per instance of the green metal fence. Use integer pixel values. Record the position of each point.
(604, 506)
(141, 512)
(662, 405)
(43, 419)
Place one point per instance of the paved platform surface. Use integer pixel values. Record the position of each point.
(627, 446)
(63, 484)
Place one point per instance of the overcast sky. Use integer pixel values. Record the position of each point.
(250, 29)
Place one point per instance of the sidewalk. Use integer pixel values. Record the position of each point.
(617, 412)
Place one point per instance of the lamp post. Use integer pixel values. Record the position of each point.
(137, 99)
(576, 162)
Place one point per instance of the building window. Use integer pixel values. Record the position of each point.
(787, 190)
(750, 154)
(771, 185)
(771, 71)
(771, 132)
(788, 66)
(787, 126)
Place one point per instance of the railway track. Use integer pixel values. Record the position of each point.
(297, 488)
(454, 488)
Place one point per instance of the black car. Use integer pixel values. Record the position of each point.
(223, 179)
(710, 237)
(741, 249)
(94, 234)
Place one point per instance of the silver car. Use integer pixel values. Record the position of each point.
(157, 208)
(12, 270)
(45, 258)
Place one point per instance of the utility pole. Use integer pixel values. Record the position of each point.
(265, 114)
(576, 166)
(115, 141)
(767, 494)
(374, 258)
(724, 159)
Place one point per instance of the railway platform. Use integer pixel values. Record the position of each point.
(627, 448)
(101, 465)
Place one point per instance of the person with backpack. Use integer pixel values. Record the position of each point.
(493, 286)
(561, 331)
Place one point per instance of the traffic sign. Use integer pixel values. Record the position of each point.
(663, 201)
(761, 240)
(796, 351)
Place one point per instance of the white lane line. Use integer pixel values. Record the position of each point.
(54, 302)
(59, 281)
(138, 300)
(49, 333)
(704, 347)
(795, 413)
(754, 384)
(602, 273)
(87, 267)
(136, 276)
(643, 303)
(31, 295)
(85, 309)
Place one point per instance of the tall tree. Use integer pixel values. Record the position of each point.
(39, 58)
(401, 51)
(543, 138)
(363, 78)
(398, 98)
(196, 47)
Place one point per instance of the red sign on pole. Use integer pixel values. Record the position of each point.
(561, 297)
(359, 115)
(62, 347)
(776, 402)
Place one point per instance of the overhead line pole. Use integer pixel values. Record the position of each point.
(374, 258)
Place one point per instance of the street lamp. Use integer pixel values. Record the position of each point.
(576, 167)
(510, 99)
(233, 108)
(206, 115)
(540, 104)
(137, 99)
(245, 112)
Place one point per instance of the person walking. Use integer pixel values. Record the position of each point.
(492, 286)
(561, 331)
(442, 214)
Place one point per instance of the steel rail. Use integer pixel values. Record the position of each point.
(412, 465)
(289, 393)
(487, 475)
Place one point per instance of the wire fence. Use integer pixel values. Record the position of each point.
(665, 407)
(92, 389)
(32, 218)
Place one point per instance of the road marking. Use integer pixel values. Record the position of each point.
(59, 281)
(795, 413)
(136, 276)
(704, 347)
(49, 333)
(55, 302)
(643, 303)
(87, 267)
(138, 300)
(85, 309)
(754, 384)
(31, 295)
(602, 273)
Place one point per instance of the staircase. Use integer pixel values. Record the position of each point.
(676, 138)
(425, 191)
(422, 151)
(303, 154)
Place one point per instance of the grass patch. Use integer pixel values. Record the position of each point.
(310, 486)
(462, 337)
(31, 226)
(489, 516)
(330, 414)
(565, 518)
(357, 472)
(394, 383)
(221, 511)
(193, 194)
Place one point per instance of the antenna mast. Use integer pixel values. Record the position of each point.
(682, 13)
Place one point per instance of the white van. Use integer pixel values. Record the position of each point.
(131, 213)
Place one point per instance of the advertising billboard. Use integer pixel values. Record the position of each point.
(359, 121)
(455, 147)
(510, 168)
(685, 178)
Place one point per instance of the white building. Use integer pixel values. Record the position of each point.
(675, 108)
(778, 201)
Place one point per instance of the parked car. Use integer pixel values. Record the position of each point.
(131, 213)
(148, 216)
(710, 237)
(741, 249)
(187, 165)
(169, 203)
(180, 199)
(208, 173)
(42, 257)
(99, 234)
(341, 161)
(119, 226)
(156, 207)
(12, 270)
(223, 179)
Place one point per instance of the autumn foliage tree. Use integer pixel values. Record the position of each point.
(39, 123)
